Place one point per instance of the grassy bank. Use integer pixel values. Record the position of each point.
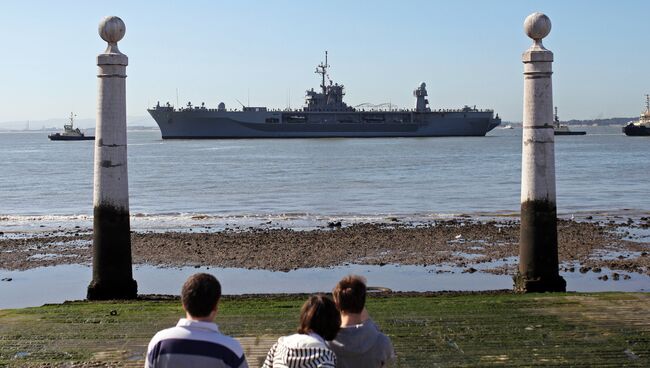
(427, 330)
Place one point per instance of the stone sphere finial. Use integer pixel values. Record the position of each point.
(112, 29)
(537, 26)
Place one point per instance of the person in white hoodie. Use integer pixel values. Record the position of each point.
(359, 342)
(319, 322)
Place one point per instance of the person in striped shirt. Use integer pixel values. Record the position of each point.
(319, 322)
(196, 341)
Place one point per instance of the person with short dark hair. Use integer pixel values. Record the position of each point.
(319, 322)
(359, 343)
(196, 341)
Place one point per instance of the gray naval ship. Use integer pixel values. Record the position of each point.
(324, 115)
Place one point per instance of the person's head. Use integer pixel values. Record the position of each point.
(319, 315)
(350, 294)
(200, 295)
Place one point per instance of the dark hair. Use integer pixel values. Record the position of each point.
(350, 294)
(200, 295)
(319, 315)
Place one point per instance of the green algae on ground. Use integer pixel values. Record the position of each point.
(427, 330)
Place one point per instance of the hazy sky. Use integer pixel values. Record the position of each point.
(468, 52)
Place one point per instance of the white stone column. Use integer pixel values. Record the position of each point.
(112, 266)
(538, 254)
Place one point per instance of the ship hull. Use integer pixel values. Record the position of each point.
(59, 137)
(571, 133)
(212, 124)
(636, 131)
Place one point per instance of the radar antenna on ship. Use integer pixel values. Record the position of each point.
(322, 70)
(72, 115)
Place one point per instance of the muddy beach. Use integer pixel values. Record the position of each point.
(462, 242)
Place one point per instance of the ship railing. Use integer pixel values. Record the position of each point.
(462, 110)
(334, 111)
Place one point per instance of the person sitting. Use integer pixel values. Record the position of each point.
(196, 340)
(359, 343)
(319, 322)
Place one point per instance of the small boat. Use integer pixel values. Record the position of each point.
(640, 127)
(70, 133)
(508, 126)
(564, 129)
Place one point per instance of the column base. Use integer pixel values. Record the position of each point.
(524, 284)
(109, 290)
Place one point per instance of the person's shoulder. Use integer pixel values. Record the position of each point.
(369, 323)
(168, 333)
(231, 343)
(382, 339)
(385, 346)
(298, 341)
(217, 338)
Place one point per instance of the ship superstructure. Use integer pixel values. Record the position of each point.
(561, 129)
(325, 114)
(640, 127)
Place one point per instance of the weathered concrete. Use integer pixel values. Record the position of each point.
(112, 267)
(538, 258)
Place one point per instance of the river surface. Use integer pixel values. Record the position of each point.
(186, 185)
(173, 183)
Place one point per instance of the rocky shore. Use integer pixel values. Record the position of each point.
(464, 243)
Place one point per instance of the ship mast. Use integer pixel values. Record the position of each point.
(322, 70)
(647, 104)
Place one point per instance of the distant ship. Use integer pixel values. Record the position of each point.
(640, 127)
(70, 133)
(564, 129)
(324, 115)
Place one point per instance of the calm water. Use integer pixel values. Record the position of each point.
(185, 185)
(172, 183)
(69, 282)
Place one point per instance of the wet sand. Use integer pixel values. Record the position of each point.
(462, 242)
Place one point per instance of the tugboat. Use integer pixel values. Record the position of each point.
(70, 133)
(563, 129)
(640, 127)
